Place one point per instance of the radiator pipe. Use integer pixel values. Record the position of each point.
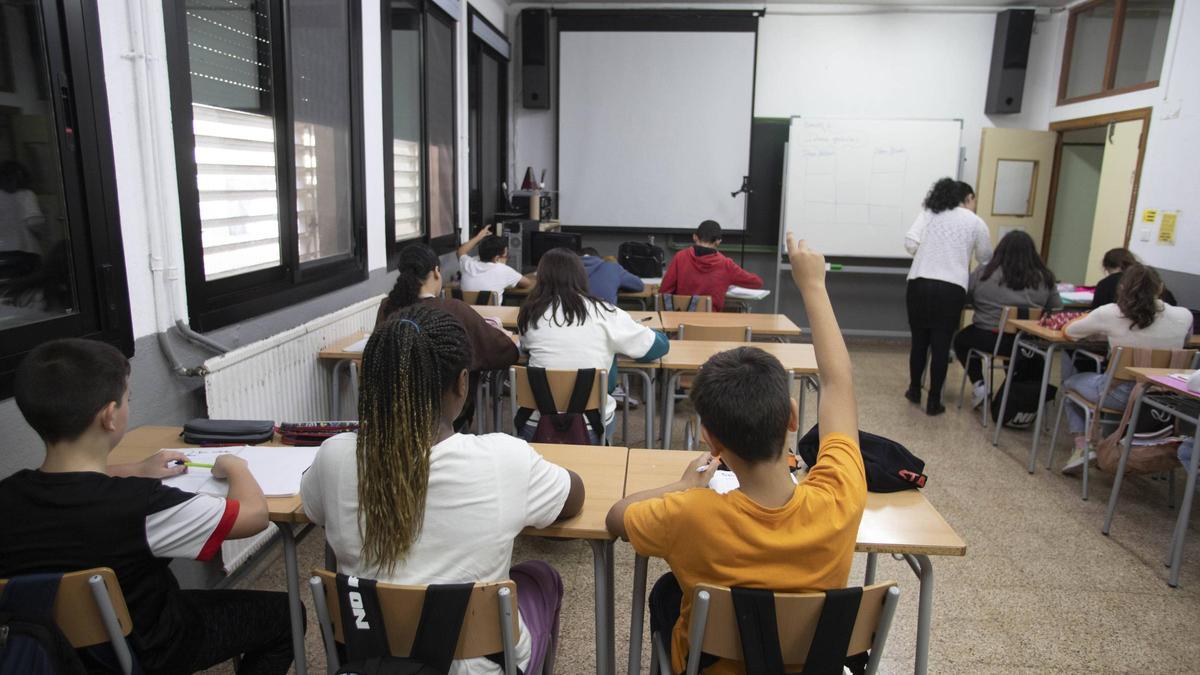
(199, 338)
(177, 367)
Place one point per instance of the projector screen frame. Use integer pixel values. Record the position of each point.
(650, 20)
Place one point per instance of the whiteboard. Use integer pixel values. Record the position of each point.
(854, 187)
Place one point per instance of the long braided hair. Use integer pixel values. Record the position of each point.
(415, 264)
(408, 365)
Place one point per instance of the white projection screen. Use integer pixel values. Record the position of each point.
(654, 127)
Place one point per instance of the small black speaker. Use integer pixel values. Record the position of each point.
(535, 58)
(1010, 55)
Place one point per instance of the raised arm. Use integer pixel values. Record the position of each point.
(471, 243)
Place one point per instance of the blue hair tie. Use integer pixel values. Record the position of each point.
(411, 323)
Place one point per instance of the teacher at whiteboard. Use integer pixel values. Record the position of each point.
(942, 240)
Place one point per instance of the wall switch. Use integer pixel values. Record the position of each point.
(1145, 233)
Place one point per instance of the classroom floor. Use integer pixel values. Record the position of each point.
(1040, 589)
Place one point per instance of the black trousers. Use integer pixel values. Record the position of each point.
(665, 599)
(934, 310)
(974, 337)
(254, 625)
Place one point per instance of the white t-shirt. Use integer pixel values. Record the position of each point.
(487, 276)
(1169, 330)
(942, 244)
(483, 490)
(607, 332)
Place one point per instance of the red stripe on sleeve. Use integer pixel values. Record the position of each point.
(222, 530)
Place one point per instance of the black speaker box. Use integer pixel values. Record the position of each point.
(1010, 55)
(535, 59)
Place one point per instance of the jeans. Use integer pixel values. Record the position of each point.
(1088, 386)
(934, 310)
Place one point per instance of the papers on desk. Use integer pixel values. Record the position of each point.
(277, 469)
(740, 293)
(358, 347)
(727, 481)
(1077, 297)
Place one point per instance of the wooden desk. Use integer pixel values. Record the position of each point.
(1193, 341)
(770, 325)
(903, 523)
(1144, 375)
(506, 315)
(643, 296)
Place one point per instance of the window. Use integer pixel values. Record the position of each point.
(487, 105)
(62, 272)
(1016, 183)
(266, 109)
(1114, 47)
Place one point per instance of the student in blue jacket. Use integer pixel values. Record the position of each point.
(606, 278)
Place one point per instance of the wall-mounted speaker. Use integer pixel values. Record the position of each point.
(1010, 56)
(535, 59)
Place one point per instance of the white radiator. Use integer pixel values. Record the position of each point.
(280, 379)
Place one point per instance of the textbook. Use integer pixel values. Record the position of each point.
(277, 469)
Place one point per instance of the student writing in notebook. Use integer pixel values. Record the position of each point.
(703, 270)
(77, 512)
(770, 533)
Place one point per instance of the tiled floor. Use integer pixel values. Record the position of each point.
(1040, 590)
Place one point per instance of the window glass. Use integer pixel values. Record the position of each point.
(406, 123)
(229, 52)
(439, 97)
(1143, 41)
(1015, 183)
(36, 281)
(1089, 49)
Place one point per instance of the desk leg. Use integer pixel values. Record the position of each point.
(647, 401)
(1125, 449)
(1012, 364)
(1185, 511)
(335, 390)
(295, 608)
(602, 559)
(637, 614)
(872, 561)
(625, 409)
(923, 568)
(1041, 410)
(669, 410)
(800, 404)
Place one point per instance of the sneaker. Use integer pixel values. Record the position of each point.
(619, 395)
(978, 395)
(1074, 466)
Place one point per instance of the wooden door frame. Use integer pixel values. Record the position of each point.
(1063, 126)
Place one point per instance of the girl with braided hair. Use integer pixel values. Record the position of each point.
(407, 500)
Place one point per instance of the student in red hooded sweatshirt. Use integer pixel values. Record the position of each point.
(702, 270)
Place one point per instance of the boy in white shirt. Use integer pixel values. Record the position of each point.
(490, 271)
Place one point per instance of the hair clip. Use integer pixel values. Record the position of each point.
(410, 322)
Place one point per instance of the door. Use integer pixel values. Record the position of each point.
(1014, 180)
(1116, 195)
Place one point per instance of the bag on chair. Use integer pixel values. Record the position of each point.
(1021, 410)
(30, 642)
(570, 427)
(641, 259)
(1154, 458)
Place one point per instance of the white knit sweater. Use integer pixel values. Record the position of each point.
(942, 244)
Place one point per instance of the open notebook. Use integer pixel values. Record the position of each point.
(277, 469)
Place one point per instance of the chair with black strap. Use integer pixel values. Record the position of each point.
(564, 399)
(671, 302)
(472, 297)
(428, 626)
(776, 633)
(997, 358)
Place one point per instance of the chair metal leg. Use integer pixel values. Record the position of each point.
(331, 655)
(1117, 479)
(508, 610)
(111, 625)
(1054, 436)
(962, 385)
(1185, 512)
(987, 391)
(1171, 489)
(1012, 368)
(637, 615)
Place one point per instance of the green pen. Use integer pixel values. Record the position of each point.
(195, 465)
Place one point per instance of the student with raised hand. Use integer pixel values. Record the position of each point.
(77, 512)
(420, 282)
(407, 500)
(606, 278)
(1016, 277)
(490, 271)
(564, 326)
(771, 532)
(942, 240)
(703, 270)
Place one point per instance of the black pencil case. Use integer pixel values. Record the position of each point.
(227, 432)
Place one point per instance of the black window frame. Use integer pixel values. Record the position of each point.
(485, 40)
(220, 302)
(79, 101)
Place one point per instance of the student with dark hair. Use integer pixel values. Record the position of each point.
(703, 270)
(607, 278)
(942, 240)
(770, 532)
(1138, 319)
(77, 512)
(420, 282)
(407, 500)
(564, 326)
(490, 271)
(1016, 277)
(1116, 261)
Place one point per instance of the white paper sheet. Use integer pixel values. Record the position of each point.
(277, 469)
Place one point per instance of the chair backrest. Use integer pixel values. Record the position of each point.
(1009, 312)
(796, 615)
(684, 303)
(562, 382)
(1123, 358)
(76, 610)
(689, 331)
(471, 297)
(401, 607)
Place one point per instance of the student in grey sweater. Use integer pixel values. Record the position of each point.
(1015, 276)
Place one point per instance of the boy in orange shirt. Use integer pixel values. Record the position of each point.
(771, 532)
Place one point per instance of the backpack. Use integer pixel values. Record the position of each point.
(31, 643)
(1154, 458)
(641, 259)
(1021, 410)
(890, 466)
(570, 427)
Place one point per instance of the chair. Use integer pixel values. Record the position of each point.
(714, 628)
(562, 383)
(472, 297)
(683, 303)
(490, 625)
(995, 359)
(1120, 359)
(90, 610)
(689, 332)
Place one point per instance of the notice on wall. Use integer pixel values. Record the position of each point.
(1149, 215)
(1166, 230)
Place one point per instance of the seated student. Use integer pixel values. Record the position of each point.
(606, 278)
(420, 281)
(771, 532)
(490, 271)
(1015, 276)
(77, 512)
(703, 270)
(1116, 261)
(565, 327)
(1138, 319)
(408, 501)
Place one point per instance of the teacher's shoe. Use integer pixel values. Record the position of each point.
(913, 395)
(934, 406)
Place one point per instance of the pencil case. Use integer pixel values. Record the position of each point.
(313, 433)
(227, 432)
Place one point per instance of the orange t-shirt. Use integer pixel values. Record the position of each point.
(730, 540)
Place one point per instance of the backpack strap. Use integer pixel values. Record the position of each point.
(754, 609)
(831, 639)
(584, 377)
(440, 624)
(539, 384)
(484, 298)
(31, 595)
(363, 629)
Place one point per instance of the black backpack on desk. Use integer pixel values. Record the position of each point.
(641, 259)
(890, 466)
